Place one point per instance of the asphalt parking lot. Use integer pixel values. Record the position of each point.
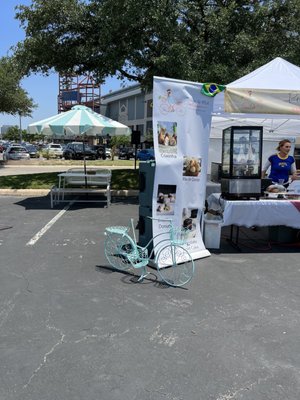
(72, 328)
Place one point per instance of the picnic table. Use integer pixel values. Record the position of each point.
(75, 183)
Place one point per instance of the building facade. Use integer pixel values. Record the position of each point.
(131, 106)
(5, 128)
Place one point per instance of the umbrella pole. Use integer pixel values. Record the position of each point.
(84, 164)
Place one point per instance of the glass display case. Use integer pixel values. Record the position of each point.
(242, 152)
(241, 161)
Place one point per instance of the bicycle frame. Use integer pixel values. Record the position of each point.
(122, 252)
(170, 238)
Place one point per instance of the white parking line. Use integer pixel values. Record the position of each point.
(38, 235)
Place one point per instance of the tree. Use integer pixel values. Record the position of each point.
(13, 134)
(149, 138)
(199, 40)
(116, 141)
(13, 99)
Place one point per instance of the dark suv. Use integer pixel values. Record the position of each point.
(76, 151)
(100, 151)
(126, 153)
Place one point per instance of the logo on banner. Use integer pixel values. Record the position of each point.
(169, 103)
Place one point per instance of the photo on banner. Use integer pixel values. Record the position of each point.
(167, 137)
(166, 200)
(181, 122)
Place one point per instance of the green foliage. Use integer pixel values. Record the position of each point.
(13, 134)
(13, 99)
(45, 153)
(199, 40)
(116, 141)
(149, 138)
(122, 140)
(122, 179)
(32, 181)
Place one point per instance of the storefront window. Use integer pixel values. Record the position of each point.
(131, 108)
(114, 110)
(149, 128)
(140, 128)
(149, 108)
(140, 106)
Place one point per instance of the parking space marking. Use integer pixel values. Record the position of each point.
(40, 233)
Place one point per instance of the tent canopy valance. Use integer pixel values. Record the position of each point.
(271, 91)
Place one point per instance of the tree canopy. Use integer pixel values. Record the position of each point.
(13, 99)
(199, 40)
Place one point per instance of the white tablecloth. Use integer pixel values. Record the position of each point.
(259, 212)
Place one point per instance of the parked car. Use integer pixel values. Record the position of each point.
(55, 149)
(100, 150)
(33, 151)
(16, 152)
(108, 153)
(145, 154)
(76, 151)
(126, 153)
(5, 145)
(1, 153)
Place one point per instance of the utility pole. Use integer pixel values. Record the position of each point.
(20, 128)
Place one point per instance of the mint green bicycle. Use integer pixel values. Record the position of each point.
(173, 262)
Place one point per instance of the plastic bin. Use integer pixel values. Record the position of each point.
(212, 233)
(282, 234)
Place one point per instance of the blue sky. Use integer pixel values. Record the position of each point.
(43, 90)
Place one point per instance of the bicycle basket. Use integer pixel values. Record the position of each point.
(179, 235)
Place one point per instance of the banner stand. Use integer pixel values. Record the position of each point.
(181, 129)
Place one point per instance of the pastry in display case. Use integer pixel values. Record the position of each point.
(241, 162)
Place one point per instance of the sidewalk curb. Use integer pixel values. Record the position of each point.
(45, 192)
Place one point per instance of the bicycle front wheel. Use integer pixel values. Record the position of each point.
(175, 265)
(117, 250)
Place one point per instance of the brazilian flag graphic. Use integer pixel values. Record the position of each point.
(211, 89)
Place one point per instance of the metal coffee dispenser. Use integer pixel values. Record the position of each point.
(241, 162)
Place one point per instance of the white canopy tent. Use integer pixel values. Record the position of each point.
(255, 93)
(277, 79)
(273, 127)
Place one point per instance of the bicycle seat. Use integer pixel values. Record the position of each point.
(117, 229)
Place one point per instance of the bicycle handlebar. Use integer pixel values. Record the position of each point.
(159, 219)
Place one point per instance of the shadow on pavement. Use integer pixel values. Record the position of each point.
(129, 277)
(254, 240)
(43, 203)
(250, 240)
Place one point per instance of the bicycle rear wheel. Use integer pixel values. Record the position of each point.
(175, 265)
(118, 248)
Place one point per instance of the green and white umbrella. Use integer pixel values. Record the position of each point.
(80, 120)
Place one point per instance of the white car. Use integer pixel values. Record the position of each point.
(55, 149)
(16, 152)
(1, 154)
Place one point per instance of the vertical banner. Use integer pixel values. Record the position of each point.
(181, 128)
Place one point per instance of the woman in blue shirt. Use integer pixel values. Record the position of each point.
(282, 164)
